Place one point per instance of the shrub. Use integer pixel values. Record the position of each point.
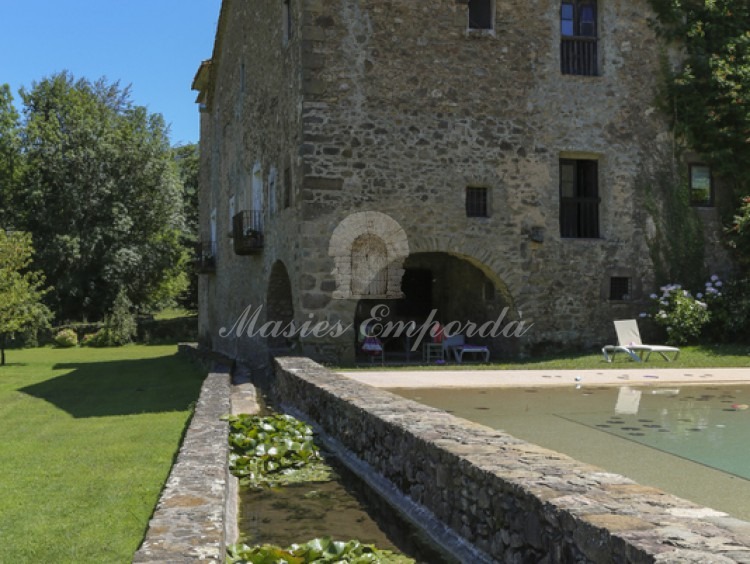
(66, 338)
(101, 338)
(730, 312)
(680, 313)
(120, 325)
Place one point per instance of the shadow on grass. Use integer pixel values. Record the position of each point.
(121, 387)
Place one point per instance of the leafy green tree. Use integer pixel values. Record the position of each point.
(709, 95)
(739, 235)
(21, 290)
(187, 158)
(102, 195)
(10, 152)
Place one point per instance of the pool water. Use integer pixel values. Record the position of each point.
(692, 441)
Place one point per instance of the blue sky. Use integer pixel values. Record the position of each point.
(154, 45)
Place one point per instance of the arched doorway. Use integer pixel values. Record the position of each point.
(446, 288)
(279, 306)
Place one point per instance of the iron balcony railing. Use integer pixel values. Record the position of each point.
(247, 232)
(578, 55)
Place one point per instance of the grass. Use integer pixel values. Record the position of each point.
(174, 313)
(88, 439)
(706, 356)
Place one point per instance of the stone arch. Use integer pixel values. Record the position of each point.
(478, 254)
(279, 303)
(368, 249)
(455, 289)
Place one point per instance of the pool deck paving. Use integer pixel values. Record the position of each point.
(467, 378)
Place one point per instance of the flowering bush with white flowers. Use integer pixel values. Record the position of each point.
(682, 314)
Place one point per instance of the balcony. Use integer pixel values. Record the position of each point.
(578, 55)
(247, 232)
(205, 258)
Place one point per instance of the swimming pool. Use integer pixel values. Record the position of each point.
(689, 440)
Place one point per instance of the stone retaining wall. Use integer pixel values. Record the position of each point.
(514, 501)
(195, 518)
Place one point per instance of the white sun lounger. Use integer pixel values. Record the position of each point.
(456, 345)
(629, 339)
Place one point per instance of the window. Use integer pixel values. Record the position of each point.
(288, 30)
(701, 186)
(369, 266)
(476, 202)
(579, 198)
(257, 188)
(481, 14)
(272, 191)
(287, 187)
(578, 42)
(212, 243)
(619, 288)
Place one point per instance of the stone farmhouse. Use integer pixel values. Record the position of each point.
(453, 160)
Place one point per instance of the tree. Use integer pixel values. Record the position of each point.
(9, 151)
(21, 290)
(709, 95)
(187, 158)
(101, 194)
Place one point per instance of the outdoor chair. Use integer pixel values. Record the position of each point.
(373, 347)
(629, 342)
(456, 345)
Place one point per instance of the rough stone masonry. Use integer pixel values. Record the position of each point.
(316, 110)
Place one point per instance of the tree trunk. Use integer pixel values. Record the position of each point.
(2, 349)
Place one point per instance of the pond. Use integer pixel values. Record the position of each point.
(343, 508)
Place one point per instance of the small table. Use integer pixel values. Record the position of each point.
(433, 351)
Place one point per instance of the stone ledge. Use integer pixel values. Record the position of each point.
(192, 521)
(512, 500)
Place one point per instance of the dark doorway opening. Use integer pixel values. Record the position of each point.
(437, 287)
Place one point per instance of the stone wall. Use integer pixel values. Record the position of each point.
(250, 134)
(411, 108)
(195, 518)
(395, 107)
(514, 501)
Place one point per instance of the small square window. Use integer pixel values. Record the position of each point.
(480, 14)
(619, 288)
(476, 202)
(701, 185)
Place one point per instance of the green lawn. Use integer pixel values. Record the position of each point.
(708, 356)
(88, 439)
